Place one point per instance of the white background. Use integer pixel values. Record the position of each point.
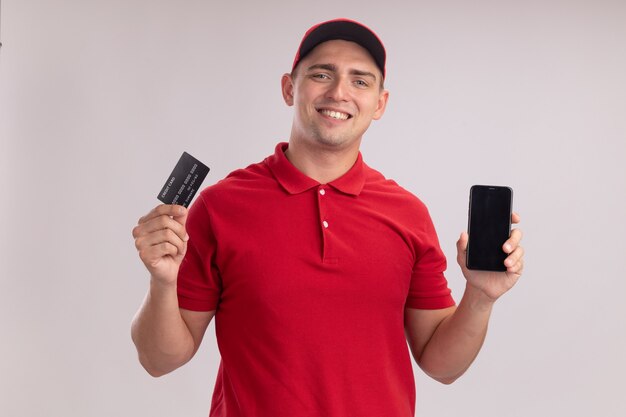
(99, 98)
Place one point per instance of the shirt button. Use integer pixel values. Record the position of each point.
(322, 191)
(325, 223)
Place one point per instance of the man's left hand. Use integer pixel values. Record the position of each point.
(494, 284)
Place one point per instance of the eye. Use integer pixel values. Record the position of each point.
(361, 83)
(320, 76)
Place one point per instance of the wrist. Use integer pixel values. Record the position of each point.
(162, 285)
(477, 299)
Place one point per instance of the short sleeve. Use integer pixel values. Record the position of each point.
(429, 288)
(199, 283)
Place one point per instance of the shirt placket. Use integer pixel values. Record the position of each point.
(325, 221)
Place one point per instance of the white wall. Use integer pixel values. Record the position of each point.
(99, 98)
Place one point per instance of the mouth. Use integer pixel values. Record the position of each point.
(334, 114)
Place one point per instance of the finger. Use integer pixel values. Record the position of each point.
(153, 254)
(172, 210)
(461, 248)
(513, 241)
(514, 257)
(517, 268)
(181, 217)
(461, 244)
(515, 218)
(159, 237)
(160, 223)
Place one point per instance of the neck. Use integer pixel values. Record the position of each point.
(323, 165)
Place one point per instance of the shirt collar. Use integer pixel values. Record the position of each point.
(295, 182)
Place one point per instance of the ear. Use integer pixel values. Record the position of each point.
(286, 84)
(382, 104)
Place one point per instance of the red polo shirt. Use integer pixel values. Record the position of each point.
(310, 282)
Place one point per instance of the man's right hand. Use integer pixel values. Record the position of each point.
(161, 240)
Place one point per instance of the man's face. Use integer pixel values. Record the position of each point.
(336, 92)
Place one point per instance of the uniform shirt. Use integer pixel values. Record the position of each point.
(310, 282)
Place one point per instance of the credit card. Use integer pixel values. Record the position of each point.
(184, 181)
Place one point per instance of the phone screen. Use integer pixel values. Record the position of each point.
(489, 226)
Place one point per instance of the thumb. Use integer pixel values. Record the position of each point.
(181, 215)
(461, 248)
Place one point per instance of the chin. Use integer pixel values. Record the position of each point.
(334, 141)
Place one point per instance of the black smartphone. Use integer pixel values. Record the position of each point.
(488, 226)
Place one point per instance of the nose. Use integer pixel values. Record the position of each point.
(338, 90)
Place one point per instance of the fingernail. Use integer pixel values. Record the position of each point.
(186, 237)
(507, 248)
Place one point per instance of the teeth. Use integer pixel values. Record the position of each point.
(335, 114)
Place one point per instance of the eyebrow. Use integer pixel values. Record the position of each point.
(333, 68)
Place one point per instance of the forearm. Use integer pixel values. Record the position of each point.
(458, 339)
(159, 332)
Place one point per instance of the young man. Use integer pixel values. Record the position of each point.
(318, 270)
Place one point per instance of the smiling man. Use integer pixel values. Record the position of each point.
(317, 269)
(337, 90)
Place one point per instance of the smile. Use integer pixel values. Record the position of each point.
(334, 114)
